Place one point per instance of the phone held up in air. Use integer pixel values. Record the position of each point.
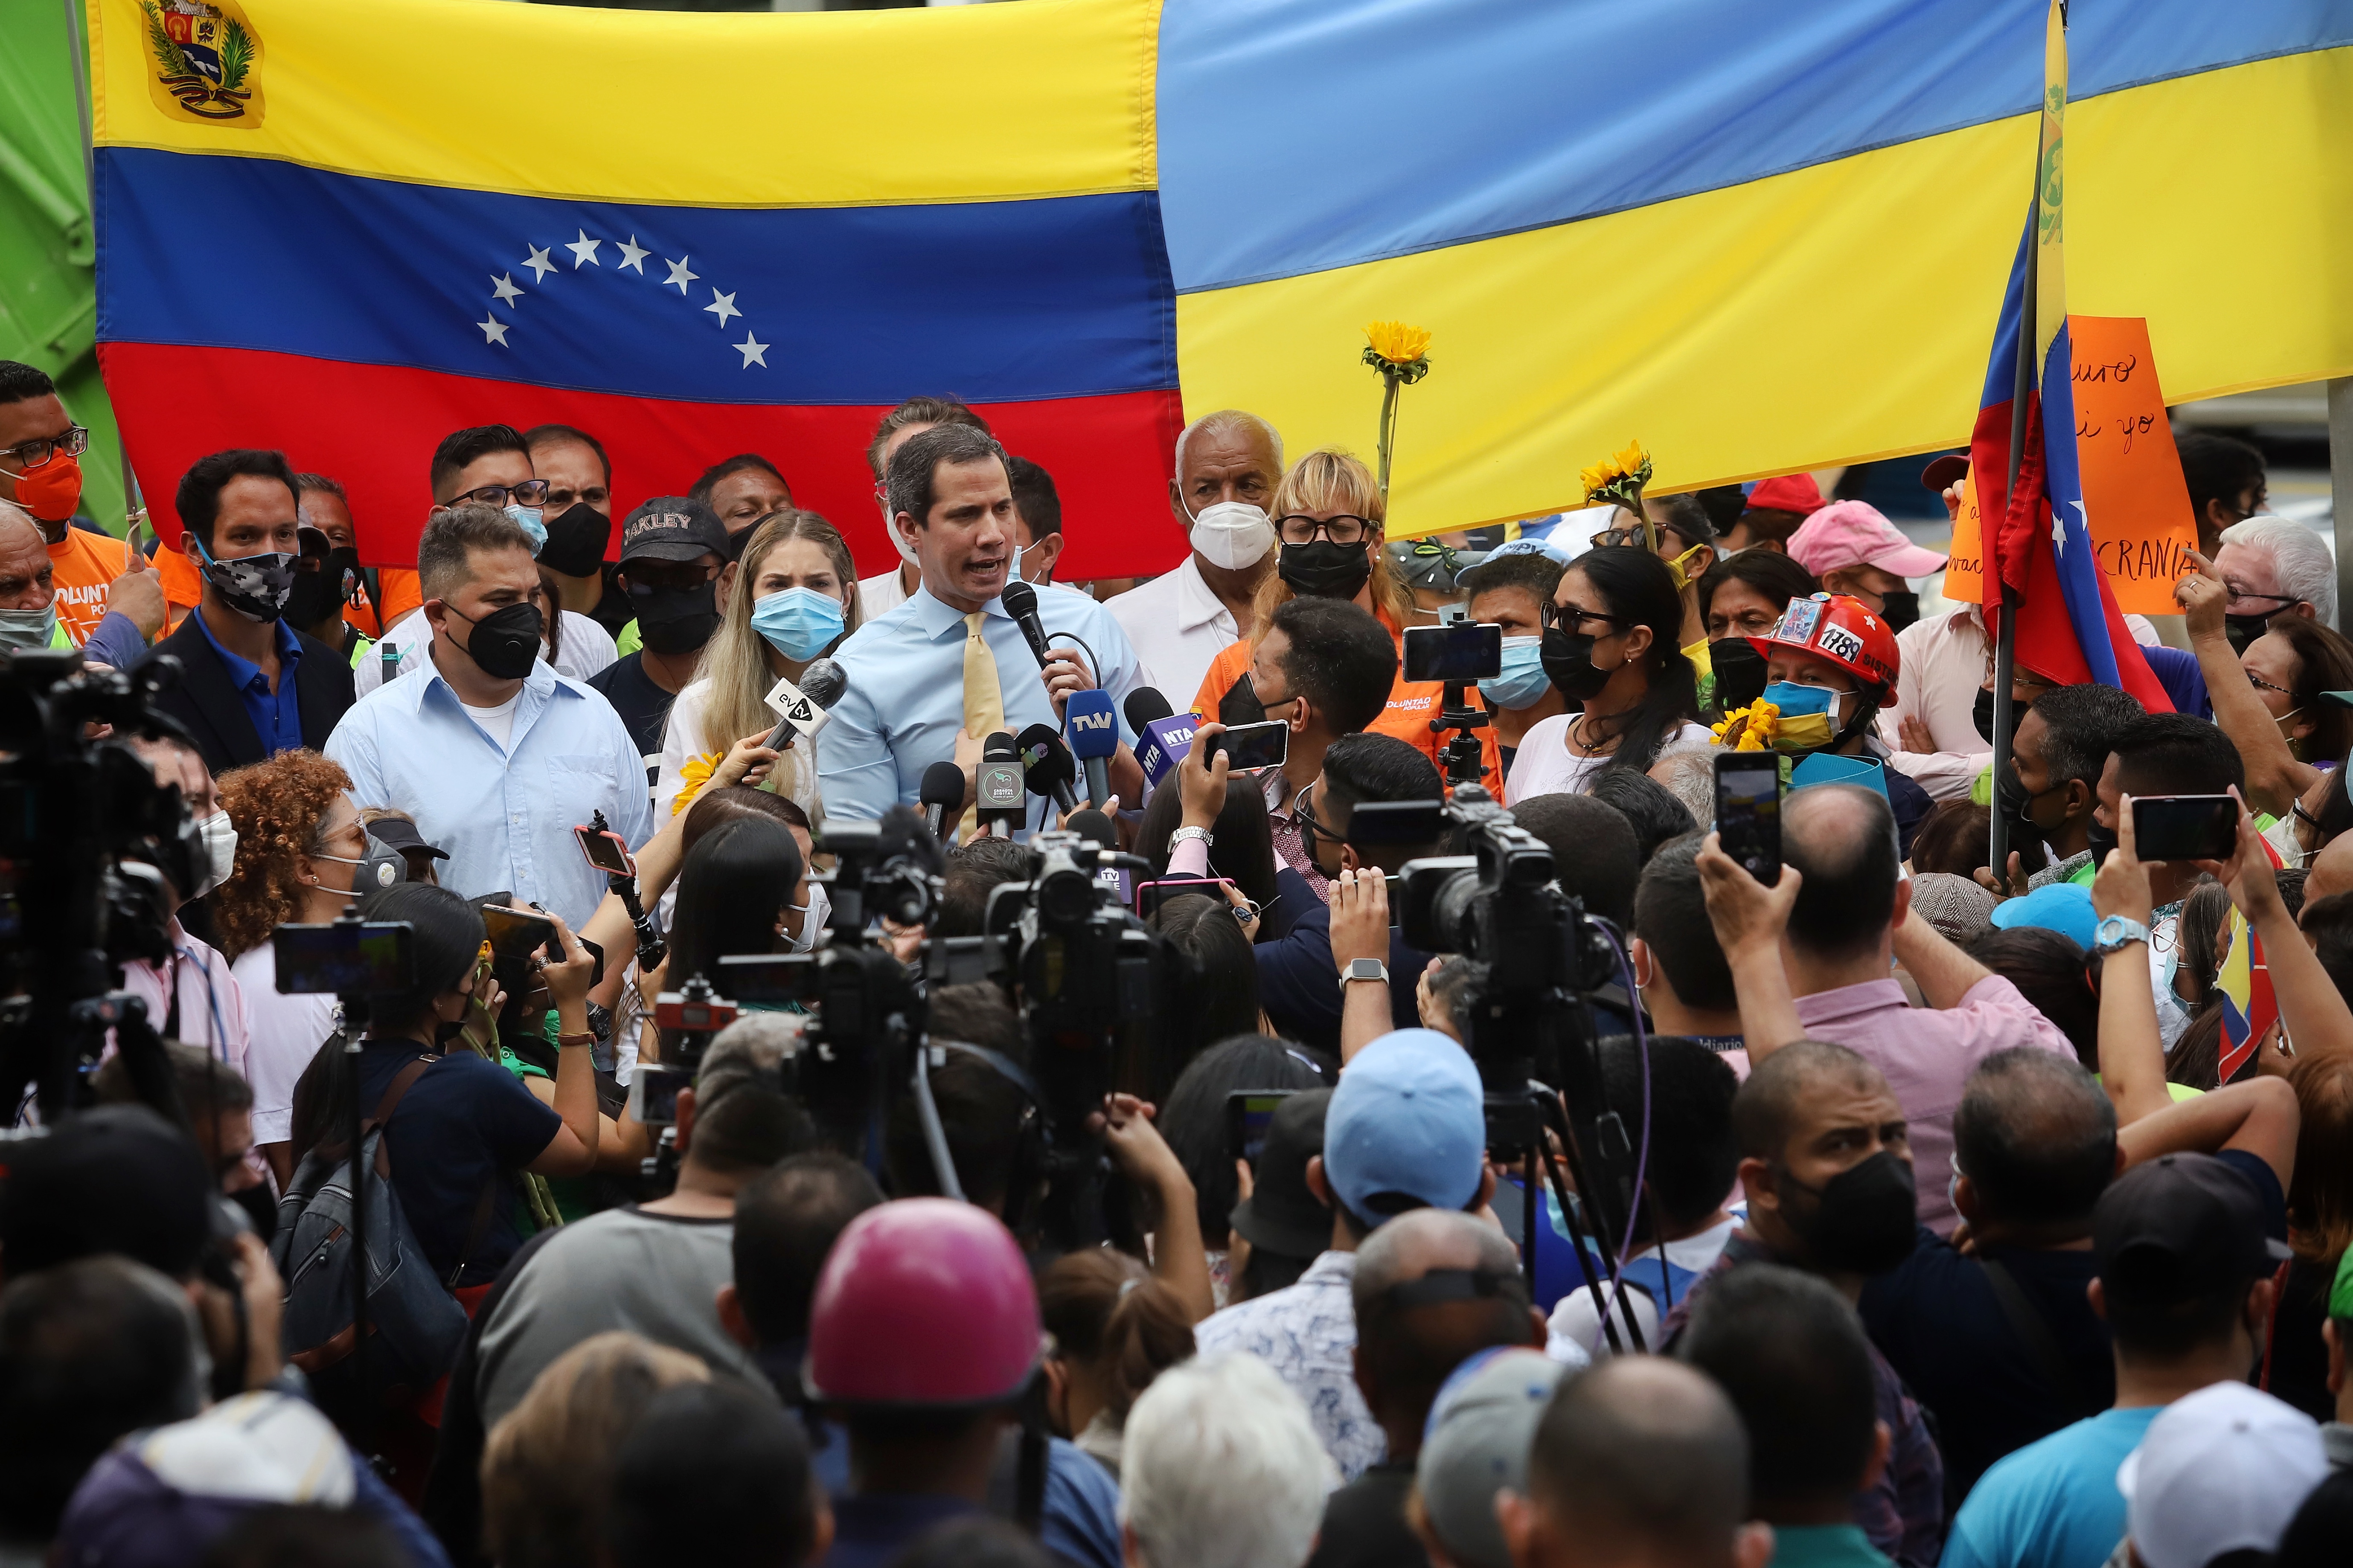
(519, 933)
(1462, 651)
(346, 957)
(2185, 826)
(607, 851)
(1249, 747)
(1248, 1113)
(1748, 811)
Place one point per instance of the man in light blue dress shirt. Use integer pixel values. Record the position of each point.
(951, 503)
(499, 764)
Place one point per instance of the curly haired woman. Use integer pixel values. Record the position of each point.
(300, 850)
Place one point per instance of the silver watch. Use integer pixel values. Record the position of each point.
(1181, 834)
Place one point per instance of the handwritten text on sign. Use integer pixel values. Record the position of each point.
(2134, 496)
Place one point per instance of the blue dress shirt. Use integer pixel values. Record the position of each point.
(905, 701)
(277, 715)
(504, 819)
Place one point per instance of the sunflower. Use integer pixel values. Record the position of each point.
(1617, 478)
(1398, 343)
(1749, 729)
(692, 775)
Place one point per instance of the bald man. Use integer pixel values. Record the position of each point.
(29, 598)
(1640, 1463)
(1432, 1288)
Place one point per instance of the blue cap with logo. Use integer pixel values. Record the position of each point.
(1408, 1123)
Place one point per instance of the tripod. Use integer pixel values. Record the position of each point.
(1461, 756)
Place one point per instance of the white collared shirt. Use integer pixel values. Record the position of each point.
(1178, 627)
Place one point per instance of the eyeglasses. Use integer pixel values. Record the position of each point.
(1343, 530)
(1306, 815)
(2258, 682)
(1631, 536)
(1571, 619)
(33, 454)
(531, 492)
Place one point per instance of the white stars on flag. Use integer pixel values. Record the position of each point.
(505, 291)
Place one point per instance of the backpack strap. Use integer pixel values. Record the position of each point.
(2028, 1323)
(401, 1084)
(483, 1206)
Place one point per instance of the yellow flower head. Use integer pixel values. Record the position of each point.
(1619, 477)
(1749, 729)
(1397, 343)
(692, 775)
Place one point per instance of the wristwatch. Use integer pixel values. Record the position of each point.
(2115, 931)
(1182, 833)
(1364, 969)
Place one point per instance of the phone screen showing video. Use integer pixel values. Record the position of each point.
(1748, 812)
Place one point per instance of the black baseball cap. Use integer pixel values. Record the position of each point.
(116, 1179)
(399, 833)
(1281, 1214)
(673, 528)
(2181, 1227)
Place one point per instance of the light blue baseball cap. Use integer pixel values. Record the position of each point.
(1407, 1119)
(2063, 907)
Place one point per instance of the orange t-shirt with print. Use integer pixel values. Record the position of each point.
(82, 567)
(1411, 706)
(183, 589)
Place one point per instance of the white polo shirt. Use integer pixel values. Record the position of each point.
(1178, 627)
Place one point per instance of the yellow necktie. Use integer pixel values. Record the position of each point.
(984, 699)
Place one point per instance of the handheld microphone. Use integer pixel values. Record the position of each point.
(1020, 602)
(1095, 828)
(1092, 727)
(943, 798)
(804, 706)
(1046, 763)
(1000, 797)
(1163, 737)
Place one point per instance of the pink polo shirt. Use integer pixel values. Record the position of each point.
(1928, 1055)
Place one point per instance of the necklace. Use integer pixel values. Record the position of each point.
(1590, 748)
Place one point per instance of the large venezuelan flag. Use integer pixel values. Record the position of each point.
(689, 235)
(1760, 238)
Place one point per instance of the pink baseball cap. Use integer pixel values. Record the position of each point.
(1852, 534)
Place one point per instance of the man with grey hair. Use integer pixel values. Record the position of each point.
(1221, 1466)
(931, 679)
(1228, 464)
(494, 755)
(31, 603)
(1432, 1288)
(2274, 567)
(652, 1269)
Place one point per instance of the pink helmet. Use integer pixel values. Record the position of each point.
(923, 1302)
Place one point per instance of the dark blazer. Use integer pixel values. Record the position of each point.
(208, 702)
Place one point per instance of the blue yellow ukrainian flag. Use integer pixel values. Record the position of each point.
(1760, 238)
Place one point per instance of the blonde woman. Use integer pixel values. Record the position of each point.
(1329, 521)
(790, 601)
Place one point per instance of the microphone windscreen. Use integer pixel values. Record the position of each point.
(1045, 760)
(1093, 826)
(1019, 599)
(1092, 723)
(1000, 744)
(1142, 706)
(823, 682)
(942, 786)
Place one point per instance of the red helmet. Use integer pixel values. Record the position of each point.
(923, 1302)
(1839, 628)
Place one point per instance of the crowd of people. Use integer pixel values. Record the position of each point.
(1999, 1215)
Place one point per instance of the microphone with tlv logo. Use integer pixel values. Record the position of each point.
(1092, 727)
(1162, 736)
(1000, 795)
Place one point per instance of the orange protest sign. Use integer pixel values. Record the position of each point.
(2134, 496)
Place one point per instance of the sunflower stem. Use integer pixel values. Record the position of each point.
(1389, 425)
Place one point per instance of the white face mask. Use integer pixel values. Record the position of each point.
(220, 847)
(1232, 534)
(814, 914)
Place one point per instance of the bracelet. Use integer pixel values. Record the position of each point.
(566, 1042)
(1182, 833)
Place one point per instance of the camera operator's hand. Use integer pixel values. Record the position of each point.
(1144, 1157)
(1360, 918)
(746, 762)
(1747, 914)
(265, 1309)
(1203, 786)
(2121, 886)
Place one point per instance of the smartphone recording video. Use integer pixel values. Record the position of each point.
(2185, 826)
(1748, 811)
(1464, 651)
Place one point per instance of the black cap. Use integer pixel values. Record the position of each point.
(399, 833)
(673, 528)
(1282, 1213)
(2181, 1227)
(116, 1179)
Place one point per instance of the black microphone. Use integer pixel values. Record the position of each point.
(1144, 705)
(943, 798)
(1020, 601)
(1000, 796)
(1095, 827)
(1046, 763)
(822, 683)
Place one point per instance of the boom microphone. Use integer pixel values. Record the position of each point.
(943, 798)
(1163, 737)
(1093, 728)
(1046, 763)
(804, 706)
(1020, 602)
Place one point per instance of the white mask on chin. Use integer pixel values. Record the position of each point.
(1232, 534)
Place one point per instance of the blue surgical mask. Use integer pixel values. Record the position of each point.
(527, 519)
(799, 622)
(1523, 681)
(1794, 701)
(1015, 570)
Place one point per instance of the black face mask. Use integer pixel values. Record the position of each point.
(676, 620)
(2015, 805)
(316, 593)
(1240, 705)
(575, 540)
(1981, 715)
(1739, 672)
(2099, 840)
(1862, 1221)
(1567, 660)
(2243, 631)
(1324, 569)
(505, 643)
(1899, 609)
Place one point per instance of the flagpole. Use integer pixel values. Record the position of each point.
(2005, 656)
